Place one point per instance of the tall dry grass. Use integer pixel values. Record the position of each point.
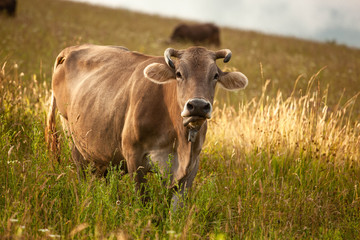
(289, 167)
(300, 124)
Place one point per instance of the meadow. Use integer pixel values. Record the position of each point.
(281, 158)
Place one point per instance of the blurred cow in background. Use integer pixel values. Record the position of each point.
(198, 33)
(9, 6)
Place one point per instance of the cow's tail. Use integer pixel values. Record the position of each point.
(51, 135)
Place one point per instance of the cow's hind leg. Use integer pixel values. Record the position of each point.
(79, 161)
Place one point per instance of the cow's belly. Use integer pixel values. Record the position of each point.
(96, 147)
(97, 140)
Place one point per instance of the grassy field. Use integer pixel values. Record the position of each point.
(281, 160)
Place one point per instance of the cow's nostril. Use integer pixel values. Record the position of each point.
(189, 106)
(207, 107)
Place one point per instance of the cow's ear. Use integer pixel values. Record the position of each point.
(233, 80)
(159, 73)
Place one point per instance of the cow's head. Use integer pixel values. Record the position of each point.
(197, 74)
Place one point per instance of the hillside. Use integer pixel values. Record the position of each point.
(280, 160)
(43, 28)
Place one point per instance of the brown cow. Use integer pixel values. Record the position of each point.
(121, 105)
(9, 6)
(198, 33)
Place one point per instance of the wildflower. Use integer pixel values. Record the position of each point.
(54, 236)
(13, 162)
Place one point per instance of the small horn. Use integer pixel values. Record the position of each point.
(224, 53)
(167, 55)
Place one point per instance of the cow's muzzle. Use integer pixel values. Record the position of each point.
(196, 111)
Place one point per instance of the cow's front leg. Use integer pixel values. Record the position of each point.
(137, 167)
(178, 198)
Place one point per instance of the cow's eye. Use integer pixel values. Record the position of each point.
(178, 75)
(216, 77)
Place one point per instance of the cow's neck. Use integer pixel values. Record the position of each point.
(187, 152)
(170, 95)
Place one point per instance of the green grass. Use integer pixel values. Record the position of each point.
(281, 160)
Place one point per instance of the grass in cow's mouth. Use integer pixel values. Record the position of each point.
(282, 164)
(193, 120)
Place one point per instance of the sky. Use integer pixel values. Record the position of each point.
(320, 20)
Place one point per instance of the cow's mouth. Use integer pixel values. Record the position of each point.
(194, 122)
